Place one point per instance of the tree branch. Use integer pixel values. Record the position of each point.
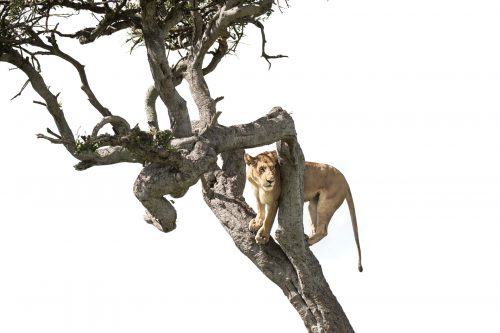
(150, 107)
(21, 91)
(121, 125)
(290, 235)
(56, 51)
(264, 41)
(276, 125)
(228, 14)
(15, 58)
(160, 68)
(217, 55)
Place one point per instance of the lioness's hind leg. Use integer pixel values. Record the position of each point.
(325, 210)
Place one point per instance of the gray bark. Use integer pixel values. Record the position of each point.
(150, 106)
(180, 122)
(327, 314)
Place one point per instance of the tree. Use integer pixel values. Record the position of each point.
(185, 41)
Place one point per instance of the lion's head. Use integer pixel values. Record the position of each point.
(264, 169)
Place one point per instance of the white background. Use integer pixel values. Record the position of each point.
(402, 96)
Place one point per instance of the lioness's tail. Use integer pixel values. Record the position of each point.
(350, 203)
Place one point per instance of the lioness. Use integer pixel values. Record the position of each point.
(325, 188)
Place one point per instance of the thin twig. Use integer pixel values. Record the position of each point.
(266, 56)
(21, 91)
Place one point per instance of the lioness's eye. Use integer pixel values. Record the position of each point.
(262, 169)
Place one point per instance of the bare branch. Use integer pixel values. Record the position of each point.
(121, 125)
(259, 25)
(52, 140)
(52, 133)
(111, 18)
(21, 91)
(55, 50)
(150, 106)
(38, 84)
(228, 14)
(217, 55)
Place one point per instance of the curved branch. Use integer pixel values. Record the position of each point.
(155, 181)
(195, 76)
(217, 56)
(160, 68)
(121, 125)
(150, 106)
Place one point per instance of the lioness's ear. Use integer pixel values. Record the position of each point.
(273, 155)
(249, 160)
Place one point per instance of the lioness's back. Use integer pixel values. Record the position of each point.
(319, 177)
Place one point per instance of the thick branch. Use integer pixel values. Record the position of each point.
(276, 125)
(201, 95)
(155, 181)
(121, 125)
(195, 76)
(217, 56)
(290, 234)
(160, 68)
(150, 107)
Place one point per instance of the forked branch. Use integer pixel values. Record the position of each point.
(266, 56)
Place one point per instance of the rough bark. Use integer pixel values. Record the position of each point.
(323, 305)
(161, 71)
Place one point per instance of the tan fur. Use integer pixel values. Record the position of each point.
(325, 188)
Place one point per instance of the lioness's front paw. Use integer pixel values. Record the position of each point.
(262, 237)
(255, 224)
